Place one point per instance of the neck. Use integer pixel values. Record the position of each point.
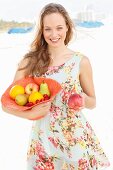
(55, 52)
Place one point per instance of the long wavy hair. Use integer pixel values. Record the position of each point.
(39, 57)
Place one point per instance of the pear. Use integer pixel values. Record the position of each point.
(44, 89)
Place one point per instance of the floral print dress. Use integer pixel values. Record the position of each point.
(64, 140)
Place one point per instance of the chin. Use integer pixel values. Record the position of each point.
(57, 45)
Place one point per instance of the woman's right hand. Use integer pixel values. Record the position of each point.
(40, 110)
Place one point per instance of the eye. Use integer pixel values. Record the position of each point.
(59, 28)
(47, 29)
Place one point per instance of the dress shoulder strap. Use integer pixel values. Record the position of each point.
(79, 54)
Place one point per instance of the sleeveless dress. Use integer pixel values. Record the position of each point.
(64, 140)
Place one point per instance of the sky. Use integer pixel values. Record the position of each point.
(22, 10)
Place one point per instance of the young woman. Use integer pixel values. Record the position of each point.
(63, 139)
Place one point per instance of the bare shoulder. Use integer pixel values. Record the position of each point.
(85, 64)
(85, 60)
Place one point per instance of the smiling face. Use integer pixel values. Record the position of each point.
(54, 29)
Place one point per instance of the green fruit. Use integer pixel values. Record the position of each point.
(21, 99)
(44, 89)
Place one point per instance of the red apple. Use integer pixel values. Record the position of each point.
(75, 101)
(31, 88)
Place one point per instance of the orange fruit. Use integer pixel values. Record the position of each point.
(35, 96)
(15, 90)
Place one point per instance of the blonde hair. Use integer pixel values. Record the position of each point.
(39, 56)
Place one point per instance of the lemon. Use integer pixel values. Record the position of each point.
(35, 96)
(15, 90)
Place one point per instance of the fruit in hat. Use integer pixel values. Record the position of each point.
(35, 96)
(31, 88)
(44, 89)
(15, 90)
(21, 99)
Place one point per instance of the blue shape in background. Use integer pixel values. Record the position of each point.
(19, 30)
(90, 24)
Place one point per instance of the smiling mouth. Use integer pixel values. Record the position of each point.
(55, 40)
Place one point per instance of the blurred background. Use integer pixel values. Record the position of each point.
(93, 37)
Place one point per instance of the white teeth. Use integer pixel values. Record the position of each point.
(55, 40)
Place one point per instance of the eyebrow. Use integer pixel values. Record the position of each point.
(50, 27)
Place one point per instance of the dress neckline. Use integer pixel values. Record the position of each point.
(50, 67)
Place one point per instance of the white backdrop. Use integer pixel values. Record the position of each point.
(14, 132)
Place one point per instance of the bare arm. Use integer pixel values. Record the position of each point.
(32, 114)
(86, 81)
(35, 112)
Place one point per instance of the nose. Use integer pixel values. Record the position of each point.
(54, 33)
